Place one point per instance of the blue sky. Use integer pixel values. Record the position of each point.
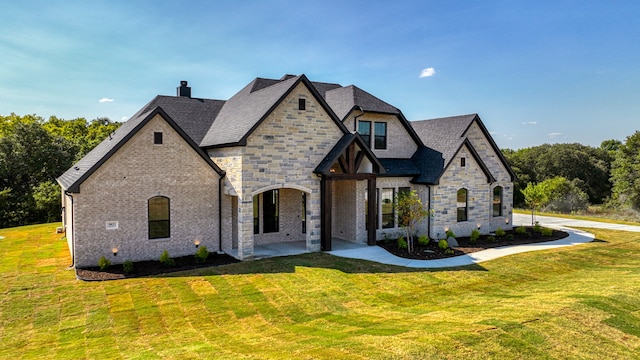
(535, 71)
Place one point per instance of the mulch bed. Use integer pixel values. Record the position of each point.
(432, 251)
(147, 268)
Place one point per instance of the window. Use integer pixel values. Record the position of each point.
(380, 132)
(388, 211)
(462, 205)
(256, 214)
(157, 138)
(270, 212)
(364, 128)
(302, 104)
(304, 213)
(402, 192)
(463, 162)
(497, 201)
(158, 217)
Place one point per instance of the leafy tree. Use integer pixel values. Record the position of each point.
(625, 172)
(47, 200)
(410, 213)
(534, 197)
(564, 195)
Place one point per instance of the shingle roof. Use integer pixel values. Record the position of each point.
(73, 178)
(337, 150)
(342, 100)
(444, 135)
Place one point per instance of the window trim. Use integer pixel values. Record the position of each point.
(271, 222)
(302, 104)
(157, 138)
(463, 162)
(392, 224)
(154, 221)
(365, 137)
(465, 207)
(256, 214)
(499, 203)
(376, 136)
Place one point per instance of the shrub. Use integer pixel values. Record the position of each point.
(500, 232)
(521, 230)
(127, 267)
(103, 263)
(449, 251)
(201, 255)
(166, 260)
(546, 232)
(443, 244)
(402, 244)
(491, 239)
(449, 234)
(509, 237)
(475, 235)
(423, 240)
(537, 228)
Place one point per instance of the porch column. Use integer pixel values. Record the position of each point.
(325, 213)
(371, 210)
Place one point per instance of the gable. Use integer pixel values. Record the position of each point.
(85, 167)
(483, 143)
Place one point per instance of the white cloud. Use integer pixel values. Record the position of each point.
(529, 123)
(124, 118)
(105, 100)
(427, 72)
(554, 135)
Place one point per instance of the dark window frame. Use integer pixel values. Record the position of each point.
(462, 211)
(304, 212)
(157, 138)
(365, 137)
(159, 225)
(497, 205)
(463, 162)
(380, 140)
(256, 214)
(302, 104)
(388, 218)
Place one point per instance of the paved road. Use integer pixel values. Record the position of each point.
(522, 219)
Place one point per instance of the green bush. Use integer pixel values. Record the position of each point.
(509, 237)
(491, 239)
(166, 260)
(103, 263)
(546, 232)
(127, 267)
(537, 228)
(500, 232)
(402, 243)
(475, 235)
(521, 230)
(201, 255)
(449, 234)
(423, 240)
(449, 251)
(443, 244)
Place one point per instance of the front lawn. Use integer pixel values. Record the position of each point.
(572, 302)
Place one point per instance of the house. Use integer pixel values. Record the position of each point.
(282, 160)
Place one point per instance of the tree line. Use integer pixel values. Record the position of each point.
(570, 177)
(33, 152)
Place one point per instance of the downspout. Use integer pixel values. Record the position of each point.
(73, 235)
(355, 119)
(429, 212)
(222, 176)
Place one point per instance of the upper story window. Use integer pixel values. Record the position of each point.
(463, 162)
(159, 219)
(462, 205)
(364, 129)
(380, 133)
(302, 104)
(157, 138)
(497, 201)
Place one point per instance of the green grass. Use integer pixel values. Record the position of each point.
(609, 218)
(574, 302)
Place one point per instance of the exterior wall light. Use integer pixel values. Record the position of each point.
(196, 242)
(506, 221)
(478, 225)
(115, 251)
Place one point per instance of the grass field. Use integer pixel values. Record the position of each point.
(575, 302)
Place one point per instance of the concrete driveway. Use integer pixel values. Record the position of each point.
(525, 219)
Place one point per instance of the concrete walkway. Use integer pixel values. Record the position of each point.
(525, 219)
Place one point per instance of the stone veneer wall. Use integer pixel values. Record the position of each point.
(399, 142)
(281, 153)
(119, 191)
(479, 195)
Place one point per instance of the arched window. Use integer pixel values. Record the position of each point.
(159, 223)
(462, 205)
(497, 201)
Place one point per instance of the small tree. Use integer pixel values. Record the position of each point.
(534, 198)
(410, 213)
